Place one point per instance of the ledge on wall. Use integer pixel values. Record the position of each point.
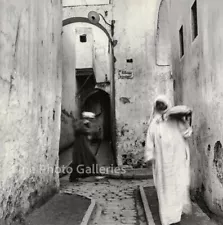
(67, 3)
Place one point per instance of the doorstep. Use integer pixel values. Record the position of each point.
(114, 172)
(131, 173)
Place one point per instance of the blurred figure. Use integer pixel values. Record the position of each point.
(167, 148)
(83, 158)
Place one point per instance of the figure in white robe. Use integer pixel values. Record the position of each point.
(167, 148)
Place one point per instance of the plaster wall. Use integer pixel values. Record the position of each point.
(135, 52)
(30, 102)
(198, 79)
(135, 32)
(84, 50)
(70, 103)
(93, 54)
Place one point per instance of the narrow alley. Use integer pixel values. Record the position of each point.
(111, 112)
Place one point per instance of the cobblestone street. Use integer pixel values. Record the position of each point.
(116, 198)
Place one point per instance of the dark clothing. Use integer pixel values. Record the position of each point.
(84, 161)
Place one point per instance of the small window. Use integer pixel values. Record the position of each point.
(181, 39)
(129, 60)
(194, 25)
(83, 38)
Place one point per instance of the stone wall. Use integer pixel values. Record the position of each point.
(69, 103)
(198, 83)
(30, 84)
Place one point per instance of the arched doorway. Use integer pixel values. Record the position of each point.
(78, 82)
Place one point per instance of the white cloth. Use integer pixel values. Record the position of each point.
(89, 115)
(155, 114)
(167, 146)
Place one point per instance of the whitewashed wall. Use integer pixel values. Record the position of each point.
(30, 102)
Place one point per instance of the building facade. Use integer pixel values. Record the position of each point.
(139, 71)
(196, 39)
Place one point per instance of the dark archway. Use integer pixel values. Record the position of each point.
(98, 101)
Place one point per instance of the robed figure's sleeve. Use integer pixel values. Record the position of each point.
(185, 129)
(149, 147)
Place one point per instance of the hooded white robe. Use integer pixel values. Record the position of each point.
(167, 146)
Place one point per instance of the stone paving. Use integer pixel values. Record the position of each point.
(60, 210)
(140, 210)
(115, 198)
